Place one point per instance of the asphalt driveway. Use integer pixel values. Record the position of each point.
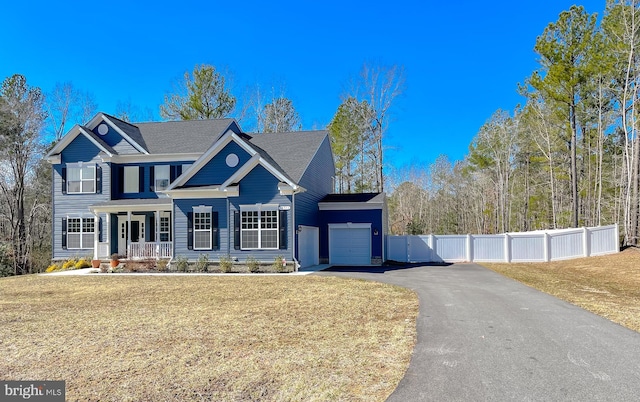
(483, 337)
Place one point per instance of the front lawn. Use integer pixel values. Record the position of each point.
(207, 338)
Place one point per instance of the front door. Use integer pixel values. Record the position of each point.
(137, 232)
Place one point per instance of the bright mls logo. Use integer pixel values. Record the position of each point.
(42, 391)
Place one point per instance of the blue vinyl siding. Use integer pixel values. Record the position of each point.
(116, 141)
(373, 216)
(80, 149)
(318, 181)
(216, 170)
(259, 186)
(180, 210)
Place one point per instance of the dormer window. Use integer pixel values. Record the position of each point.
(81, 179)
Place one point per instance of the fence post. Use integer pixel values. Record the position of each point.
(432, 246)
(585, 242)
(469, 248)
(547, 254)
(507, 256)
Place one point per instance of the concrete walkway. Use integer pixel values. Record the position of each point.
(483, 337)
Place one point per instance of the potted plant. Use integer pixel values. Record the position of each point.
(115, 260)
(95, 263)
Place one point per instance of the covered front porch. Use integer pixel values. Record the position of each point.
(134, 229)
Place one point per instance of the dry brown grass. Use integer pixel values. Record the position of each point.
(207, 338)
(606, 285)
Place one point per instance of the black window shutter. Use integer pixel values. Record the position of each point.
(178, 170)
(152, 180)
(98, 179)
(120, 179)
(282, 229)
(64, 233)
(100, 229)
(141, 179)
(172, 173)
(190, 230)
(152, 228)
(64, 180)
(214, 230)
(236, 230)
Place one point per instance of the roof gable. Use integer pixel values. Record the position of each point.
(221, 166)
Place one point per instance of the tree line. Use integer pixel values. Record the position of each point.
(568, 156)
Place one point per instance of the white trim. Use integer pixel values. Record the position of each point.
(349, 206)
(124, 135)
(132, 208)
(217, 192)
(81, 233)
(81, 165)
(137, 158)
(202, 209)
(259, 208)
(349, 225)
(53, 155)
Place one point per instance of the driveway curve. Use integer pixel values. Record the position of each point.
(484, 337)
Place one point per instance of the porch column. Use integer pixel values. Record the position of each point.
(108, 233)
(157, 234)
(96, 235)
(128, 233)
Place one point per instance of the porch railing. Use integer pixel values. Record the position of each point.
(143, 250)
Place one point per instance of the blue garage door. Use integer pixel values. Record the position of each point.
(349, 245)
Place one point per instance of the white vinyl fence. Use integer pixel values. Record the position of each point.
(538, 246)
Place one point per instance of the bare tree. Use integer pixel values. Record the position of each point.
(66, 104)
(22, 117)
(380, 86)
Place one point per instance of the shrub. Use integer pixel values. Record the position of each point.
(226, 263)
(202, 265)
(52, 267)
(253, 264)
(161, 265)
(279, 264)
(69, 264)
(182, 264)
(82, 263)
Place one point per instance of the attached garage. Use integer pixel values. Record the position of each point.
(352, 229)
(350, 244)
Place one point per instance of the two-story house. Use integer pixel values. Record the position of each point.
(184, 188)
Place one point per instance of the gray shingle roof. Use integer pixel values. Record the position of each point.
(129, 129)
(187, 136)
(291, 152)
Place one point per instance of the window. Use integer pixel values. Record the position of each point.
(81, 179)
(131, 179)
(80, 232)
(162, 177)
(202, 228)
(259, 227)
(164, 228)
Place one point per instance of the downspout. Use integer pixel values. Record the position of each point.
(228, 212)
(293, 236)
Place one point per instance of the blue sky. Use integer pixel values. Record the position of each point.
(462, 59)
